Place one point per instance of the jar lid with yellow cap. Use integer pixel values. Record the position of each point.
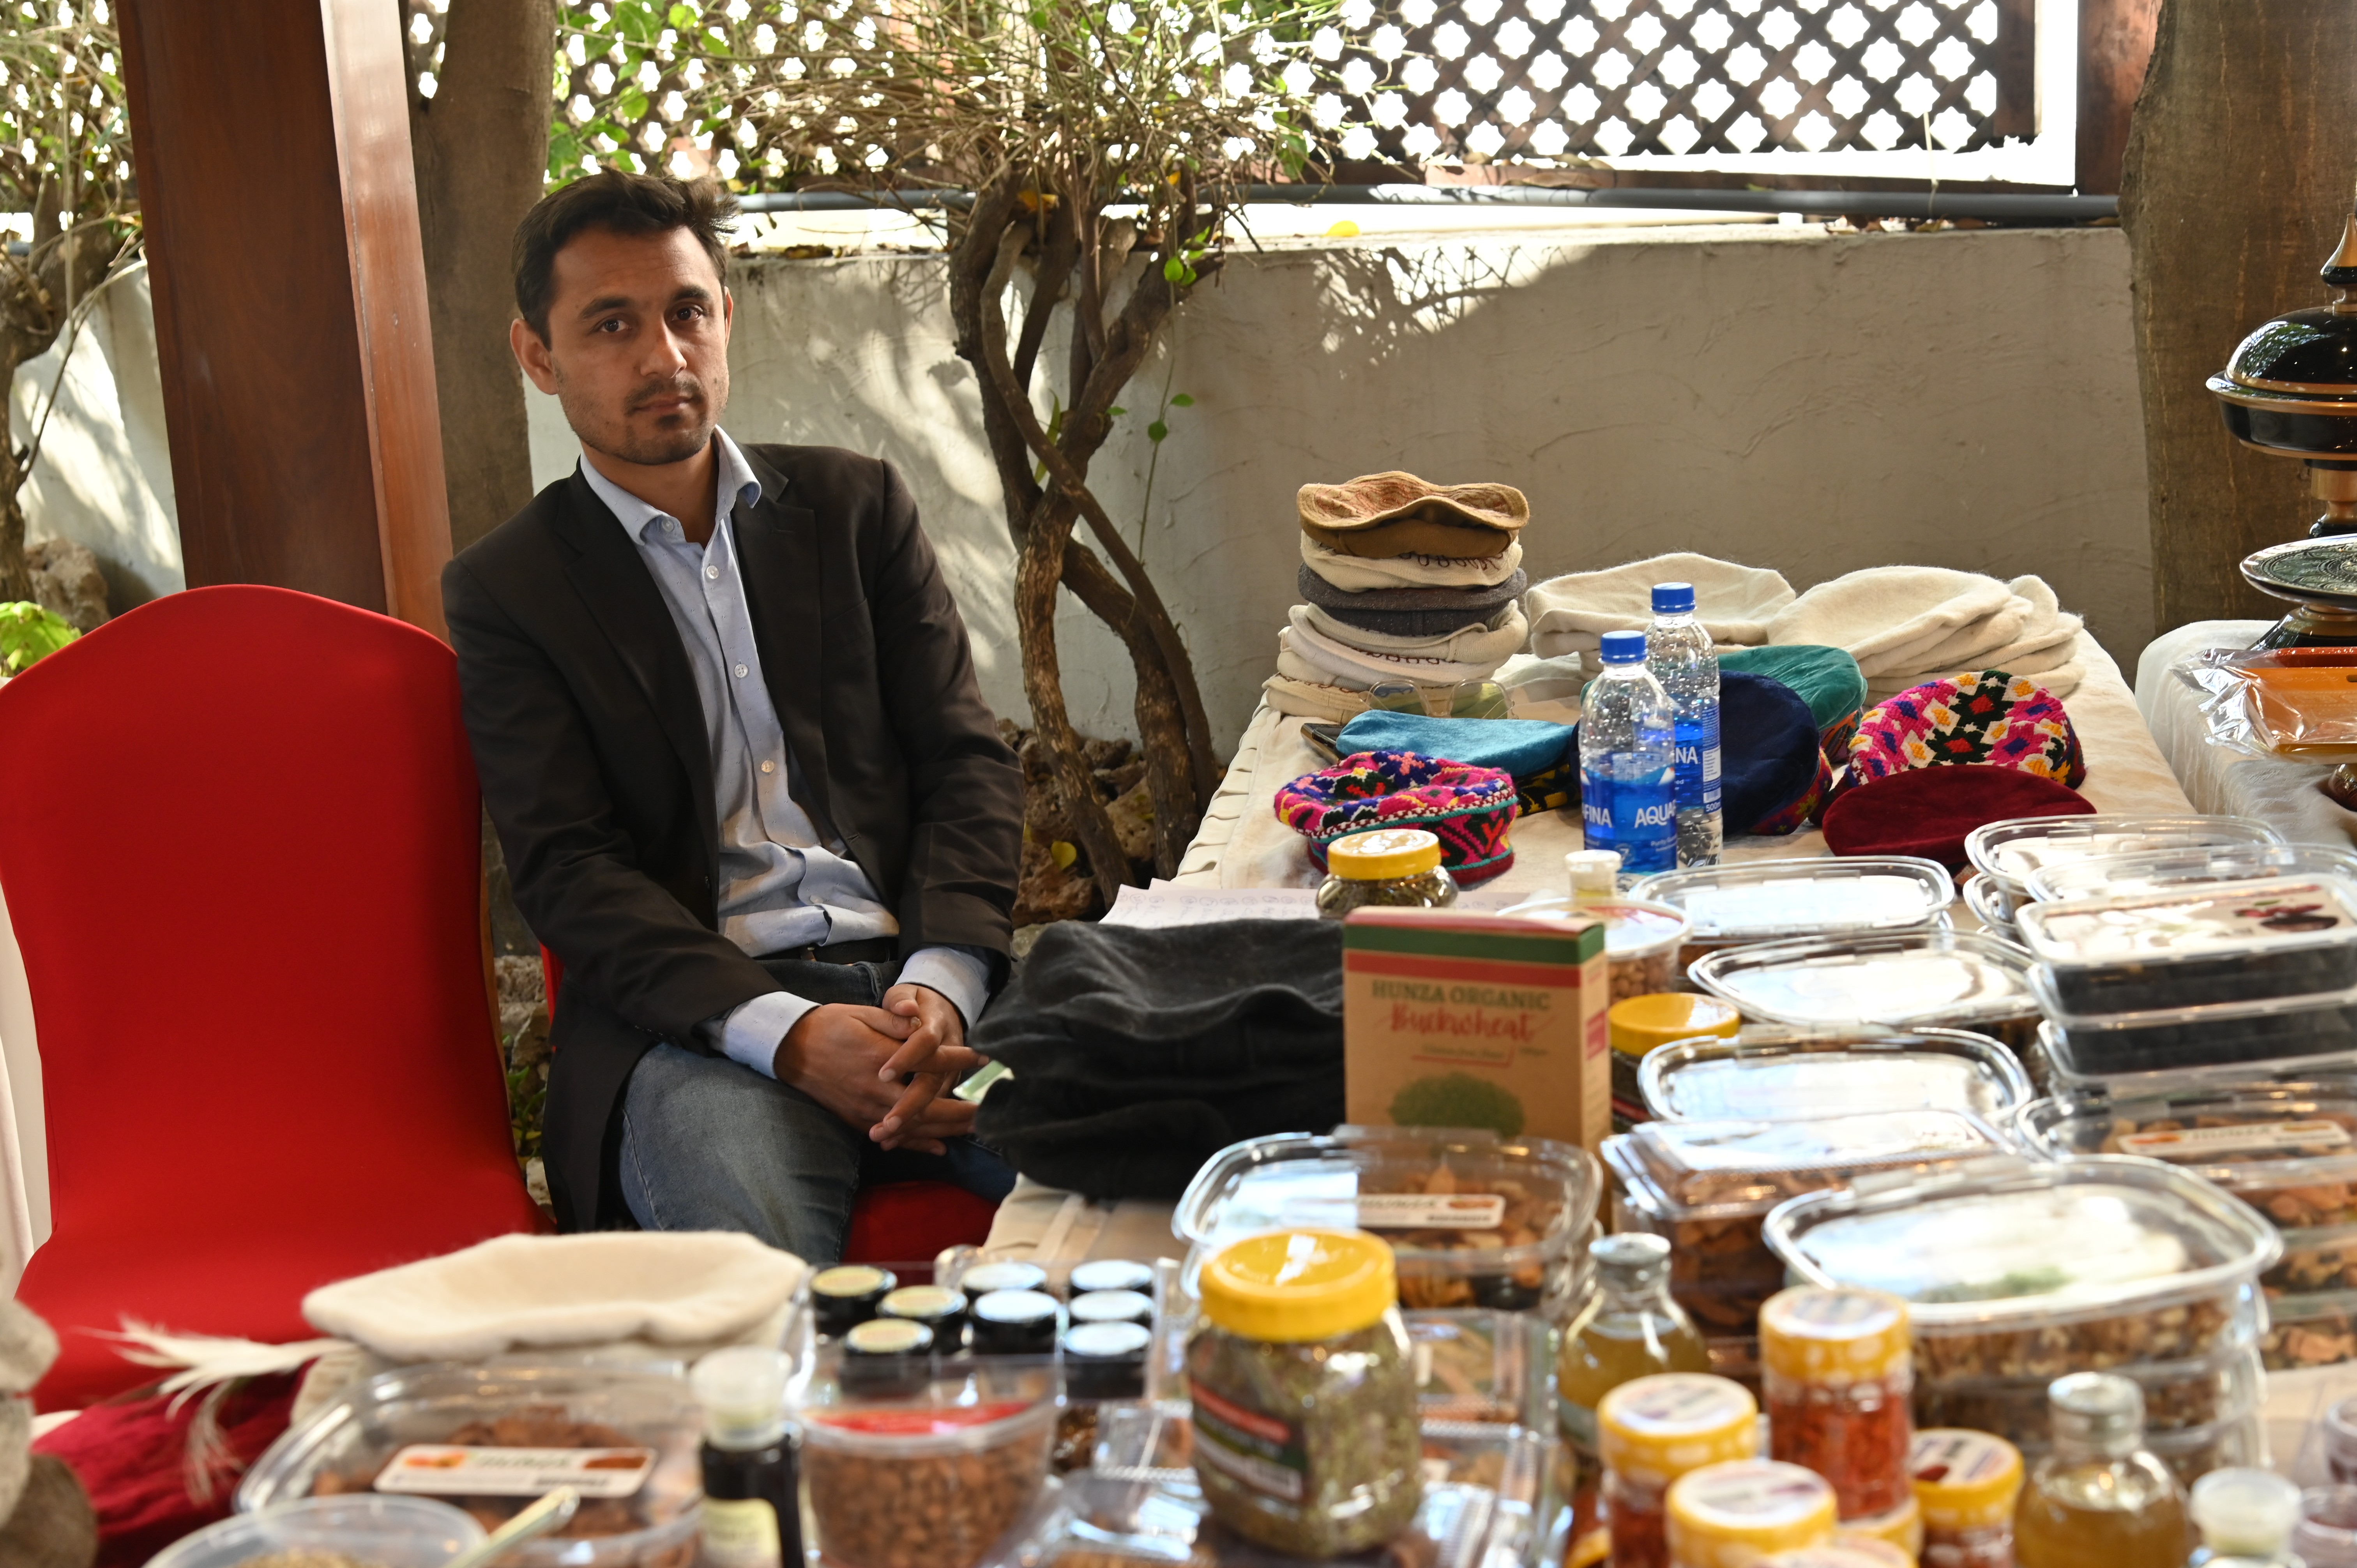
(1846, 1551)
(1730, 1515)
(1641, 1023)
(1653, 1430)
(1383, 854)
(1815, 1333)
(1900, 1529)
(1964, 1479)
(1292, 1286)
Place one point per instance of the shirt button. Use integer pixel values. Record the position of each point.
(671, 526)
(768, 767)
(740, 671)
(712, 571)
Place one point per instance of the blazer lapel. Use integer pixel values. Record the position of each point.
(614, 582)
(777, 556)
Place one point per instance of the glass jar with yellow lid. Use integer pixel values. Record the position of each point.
(1304, 1394)
(1650, 1431)
(1732, 1515)
(1398, 867)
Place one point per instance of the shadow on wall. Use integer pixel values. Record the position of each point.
(104, 475)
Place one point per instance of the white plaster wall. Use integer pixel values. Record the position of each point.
(1780, 396)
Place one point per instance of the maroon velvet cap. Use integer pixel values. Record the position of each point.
(1927, 812)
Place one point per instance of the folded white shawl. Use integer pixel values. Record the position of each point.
(1570, 613)
(1358, 573)
(1467, 645)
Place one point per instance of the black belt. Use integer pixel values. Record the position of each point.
(873, 950)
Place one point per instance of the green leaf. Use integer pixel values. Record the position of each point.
(29, 633)
(1180, 400)
(1115, 412)
(1157, 431)
(683, 17)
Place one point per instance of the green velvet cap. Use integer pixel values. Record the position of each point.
(1826, 678)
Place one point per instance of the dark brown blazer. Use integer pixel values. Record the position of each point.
(597, 771)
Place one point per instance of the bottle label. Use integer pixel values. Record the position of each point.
(741, 1533)
(1628, 802)
(1698, 761)
(1253, 1447)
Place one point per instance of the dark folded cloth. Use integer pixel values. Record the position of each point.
(1137, 1053)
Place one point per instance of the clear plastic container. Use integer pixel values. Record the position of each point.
(1707, 1186)
(2009, 853)
(1643, 940)
(1986, 901)
(1929, 979)
(2180, 1396)
(2299, 1032)
(934, 1476)
(1772, 1074)
(2191, 947)
(381, 1531)
(2325, 1536)
(2017, 1267)
(1473, 1220)
(2304, 1331)
(2152, 871)
(2192, 1455)
(1773, 901)
(1481, 1367)
(649, 1407)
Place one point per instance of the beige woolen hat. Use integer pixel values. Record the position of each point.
(1386, 515)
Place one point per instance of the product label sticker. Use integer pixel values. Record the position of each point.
(1752, 1493)
(1956, 1457)
(2240, 919)
(1681, 1401)
(1269, 1455)
(741, 1533)
(442, 1469)
(2201, 1143)
(1431, 1211)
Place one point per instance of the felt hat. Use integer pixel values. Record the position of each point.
(1469, 809)
(1826, 678)
(1543, 758)
(1769, 760)
(1928, 811)
(1985, 719)
(1411, 612)
(1393, 514)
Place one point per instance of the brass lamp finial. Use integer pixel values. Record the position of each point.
(2340, 270)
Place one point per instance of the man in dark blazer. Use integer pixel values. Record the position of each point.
(728, 730)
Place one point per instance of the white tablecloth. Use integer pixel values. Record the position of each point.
(2283, 794)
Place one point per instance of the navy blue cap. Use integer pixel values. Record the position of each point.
(1768, 747)
(1624, 647)
(1673, 599)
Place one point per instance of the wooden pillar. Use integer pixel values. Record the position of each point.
(281, 209)
(2114, 48)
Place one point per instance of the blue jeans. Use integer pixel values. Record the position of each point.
(708, 1144)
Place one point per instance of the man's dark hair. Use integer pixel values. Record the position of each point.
(623, 203)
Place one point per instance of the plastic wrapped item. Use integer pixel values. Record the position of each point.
(381, 1532)
(1707, 1186)
(2198, 945)
(1473, 1219)
(2153, 871)
(935, 1477)
(1741, 902)
(647, 1516)
(2011, 852)
(1965, 1483)
(1838, 1377)
(1643, 940)
(1768, 1073)
(2015, 1268)
(2305, 1034)
(1929, 978)
(2298, 703)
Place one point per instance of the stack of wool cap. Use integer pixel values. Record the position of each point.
(1907, 625)
(1404, 580)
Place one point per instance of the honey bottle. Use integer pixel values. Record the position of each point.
(1629, 1329)
(2100, 1499)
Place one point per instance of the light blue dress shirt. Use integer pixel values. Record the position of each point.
(781, 886)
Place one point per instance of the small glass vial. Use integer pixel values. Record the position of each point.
(1838, 1370)
(2100, 1499)
(2325, 1536)
(1395, 867)
(1965, 1484)
(1629, 1329)
(1650, 1431)
(1731, 1515)
(752, 1518)
(2245, 1516)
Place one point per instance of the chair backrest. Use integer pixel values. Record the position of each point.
(240, 845)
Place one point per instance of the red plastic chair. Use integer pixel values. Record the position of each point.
(239, 846)
(893, 1221)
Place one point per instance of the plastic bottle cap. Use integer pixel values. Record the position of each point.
(1290, 1287)
(1811, 1334)
(1964, 1479)
(1623, 646)
(1731, 1515)
(1656, 1429)
(1673, 599)
(1592, 870)
(743, 1392)
(1639, 1025)
(2244, 1513)
(1383, 854)
(2096, 1410)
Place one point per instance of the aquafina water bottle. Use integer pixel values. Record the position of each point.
(1678, 653)
(1628, 762)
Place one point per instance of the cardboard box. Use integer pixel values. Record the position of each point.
(1466, 1020)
